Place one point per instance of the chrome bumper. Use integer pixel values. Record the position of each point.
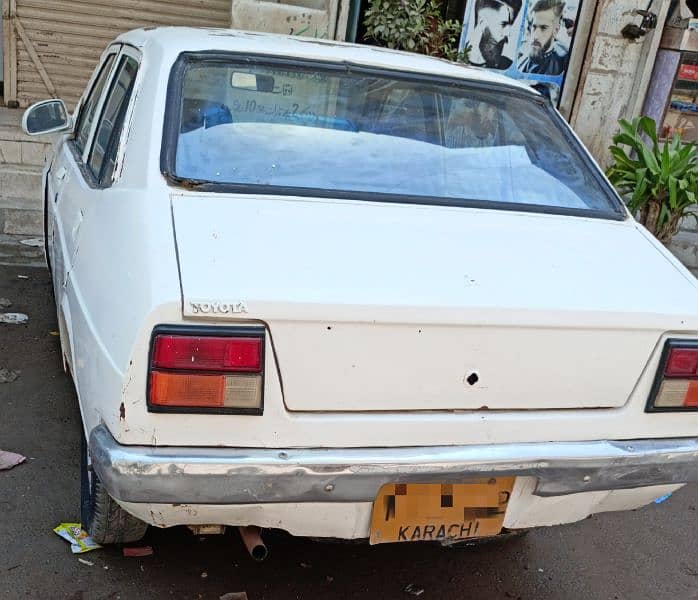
(253, 476)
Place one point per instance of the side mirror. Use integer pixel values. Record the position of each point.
(47, 116)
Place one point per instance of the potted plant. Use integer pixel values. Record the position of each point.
(413, 25)
(658, 182)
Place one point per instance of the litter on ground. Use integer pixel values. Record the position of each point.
(34, 242)
(13, 318)
(10, 459)
(79, 540)
(234, 596)
(8, 375)
(5, 303)
(89, 563)
(137, 551)
(415, 590)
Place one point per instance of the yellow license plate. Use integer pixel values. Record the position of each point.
(414, 512)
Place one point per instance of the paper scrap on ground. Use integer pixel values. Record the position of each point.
(663, 498)
(13, 318)
(10, 459)
(79, 540)
(8, 375)
(5, 303)
(35, 242)
(415, 590)
(234, 596)
(138, 551)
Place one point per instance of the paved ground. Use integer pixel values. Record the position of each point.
(650, 553)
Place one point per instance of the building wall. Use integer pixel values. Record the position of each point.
(615, 74)
(52, 46)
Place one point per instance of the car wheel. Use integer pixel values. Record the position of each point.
(101, 516)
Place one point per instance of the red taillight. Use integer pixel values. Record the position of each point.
(194, 353)
(202, 373)
(676, 386)
(682, 362)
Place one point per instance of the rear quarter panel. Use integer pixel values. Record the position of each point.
(124, 278)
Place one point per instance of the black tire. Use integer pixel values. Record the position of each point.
(100, 515)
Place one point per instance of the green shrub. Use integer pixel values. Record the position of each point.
(659, 183)
(413, 25)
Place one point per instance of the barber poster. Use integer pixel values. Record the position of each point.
(528, 40)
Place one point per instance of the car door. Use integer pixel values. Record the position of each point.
(67, 195)
(89, 177)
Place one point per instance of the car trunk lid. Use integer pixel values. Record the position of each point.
(395, 307)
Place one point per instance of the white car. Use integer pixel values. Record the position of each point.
(354, 293)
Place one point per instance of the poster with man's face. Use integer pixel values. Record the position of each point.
(525, 39)
(493, 27)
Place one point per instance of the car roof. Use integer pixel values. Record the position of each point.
(174, 40)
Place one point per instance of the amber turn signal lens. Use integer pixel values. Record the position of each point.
(170, 389)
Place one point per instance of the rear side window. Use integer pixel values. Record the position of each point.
(103, 154)
(371, 134)
(87, 112)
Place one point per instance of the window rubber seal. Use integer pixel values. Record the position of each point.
(172, 117)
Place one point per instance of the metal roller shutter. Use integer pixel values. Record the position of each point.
(52, 46)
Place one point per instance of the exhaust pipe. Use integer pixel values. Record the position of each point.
(253, 542)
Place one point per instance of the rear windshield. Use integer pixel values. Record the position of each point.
(375, 135)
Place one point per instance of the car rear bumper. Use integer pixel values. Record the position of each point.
(145, 474)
